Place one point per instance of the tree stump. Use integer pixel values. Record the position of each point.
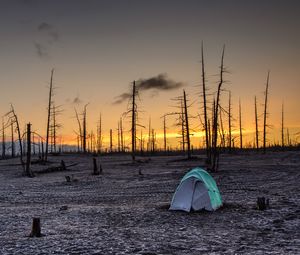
(140, 171)
(262, 203)
(63, 165)
(96, 171)
(36, 228)
(68, 178)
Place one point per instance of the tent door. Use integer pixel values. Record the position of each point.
(201, 199)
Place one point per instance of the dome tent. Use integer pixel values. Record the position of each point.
(197, 190)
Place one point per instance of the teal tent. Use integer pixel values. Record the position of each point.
(197, 190)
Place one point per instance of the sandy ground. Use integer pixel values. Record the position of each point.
(121, 212)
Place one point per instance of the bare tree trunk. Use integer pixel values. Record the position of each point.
(229, 123)
(215, 120)
(265, 114)
(43, 153)
(187, 126)
(80, 129)
(121, 131)
(28, 160)
(49, 113)
(33, 143)
(84, 129)
(12, 140)
(256, 124)
(288, 137)
(15, 120)
(282, 126)
(133, 122)
(99, 135)
(149, 136)
(153, 142)
(209, 137)
(141, 143)
(78, 143)
(3, 140)
(222, 132)
(119, 141)
(240, 122)
(204, 106)
(54, 129)
(165, 134)
(40, 153)
(92, 141)
(182, 126)
(110, 140)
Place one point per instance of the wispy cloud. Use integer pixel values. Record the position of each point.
(157, 83)
(49, 30)
(121, 98)
(41, 50)
(47, 36)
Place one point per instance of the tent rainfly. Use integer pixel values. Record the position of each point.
(196, 191)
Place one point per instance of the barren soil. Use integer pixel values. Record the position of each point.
(122, 212)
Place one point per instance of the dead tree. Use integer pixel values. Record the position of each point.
(12, 140)
(289, 142)
(133, 122)
(141, 143)
(215, 153)
(240, 124)
(110, 139)
(99, 135)
(3, 140)
(153, 141)
(14, 119)
(265, 113)
(121, 135)
(205, 106)
(186, 117)
(282, 126)
(229, 123)
(49, 113)
(165, 134)
(222, 131)
(54, 126)
(33, 143)
(84, 129)
(79, 129)
(256, 124)
(28, 160)
(149, 136)
(182, 121)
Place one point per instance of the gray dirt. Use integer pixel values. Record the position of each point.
(123, 212)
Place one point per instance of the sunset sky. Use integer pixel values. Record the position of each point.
(97, 48)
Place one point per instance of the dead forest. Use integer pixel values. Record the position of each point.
(215, 121)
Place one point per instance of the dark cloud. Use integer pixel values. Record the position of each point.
(157, 83)
(77, 100)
